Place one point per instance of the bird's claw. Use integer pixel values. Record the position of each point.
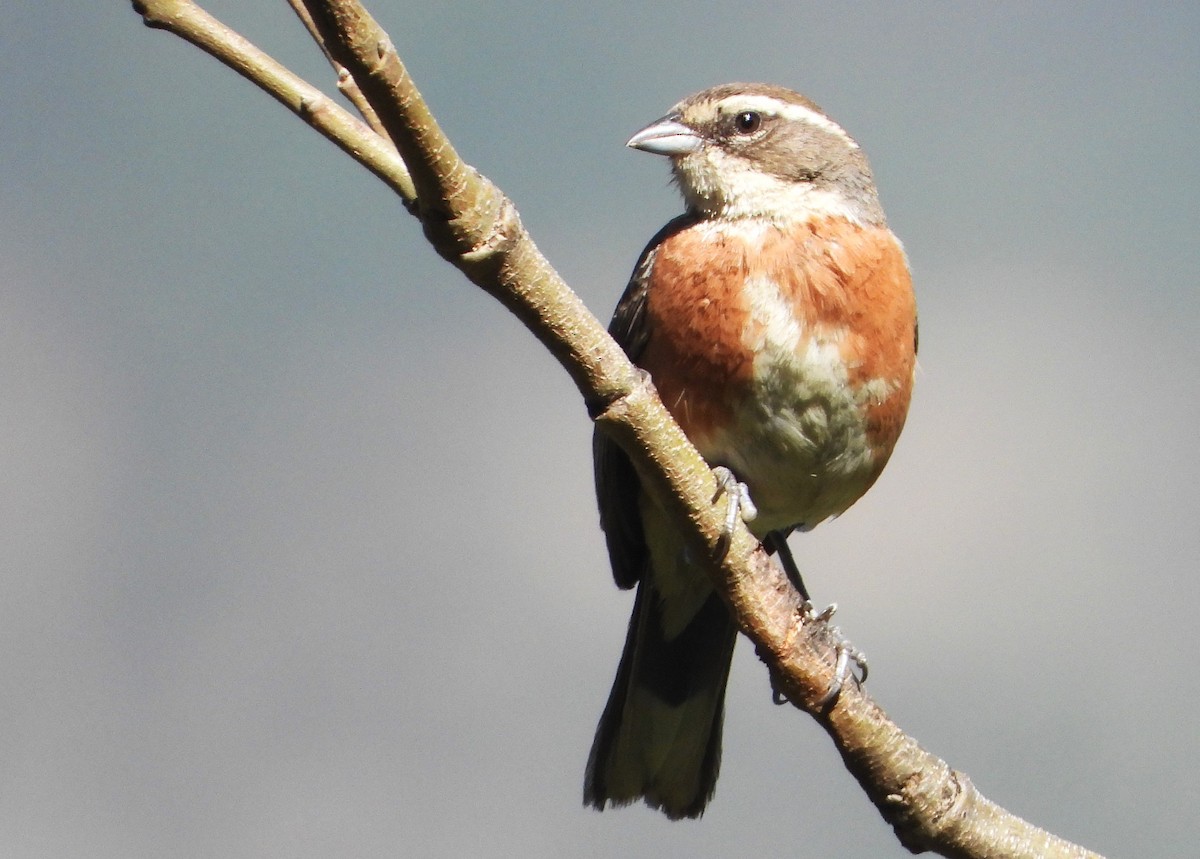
(740, 502)
(849, 658)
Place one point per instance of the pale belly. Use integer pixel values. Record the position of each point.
(799, 438)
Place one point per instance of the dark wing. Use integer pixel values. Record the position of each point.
(617, 487)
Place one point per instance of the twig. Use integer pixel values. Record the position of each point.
(191, 23)
(345, 82)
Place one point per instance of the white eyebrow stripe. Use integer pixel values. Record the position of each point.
(788, 110)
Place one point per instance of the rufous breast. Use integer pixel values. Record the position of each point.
(786, 353)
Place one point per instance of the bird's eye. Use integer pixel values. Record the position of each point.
(747, 122)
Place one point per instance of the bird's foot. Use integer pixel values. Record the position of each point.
(740, 503)
(851, 663)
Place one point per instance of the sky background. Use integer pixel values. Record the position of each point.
(298, 547)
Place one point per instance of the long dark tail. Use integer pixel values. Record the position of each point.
(659, 738)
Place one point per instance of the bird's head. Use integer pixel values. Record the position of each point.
(762, 151)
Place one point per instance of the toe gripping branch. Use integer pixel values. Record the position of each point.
(849, 658)
(740, 503)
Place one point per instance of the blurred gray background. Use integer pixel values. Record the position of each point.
(298, 552)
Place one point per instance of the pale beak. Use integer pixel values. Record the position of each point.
(666, 136)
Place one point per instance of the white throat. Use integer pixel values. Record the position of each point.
(721, 185)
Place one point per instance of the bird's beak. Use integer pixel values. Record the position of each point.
(666, 136)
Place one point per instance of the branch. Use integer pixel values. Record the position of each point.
(191, 23)
(474, 226)
(345, 83)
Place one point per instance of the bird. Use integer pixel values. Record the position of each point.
(777, 321)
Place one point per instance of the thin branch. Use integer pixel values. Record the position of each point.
(930, 806)
(191, 23)
(345, 82)
(467, 218)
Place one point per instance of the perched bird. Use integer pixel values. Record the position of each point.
(777, 320)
